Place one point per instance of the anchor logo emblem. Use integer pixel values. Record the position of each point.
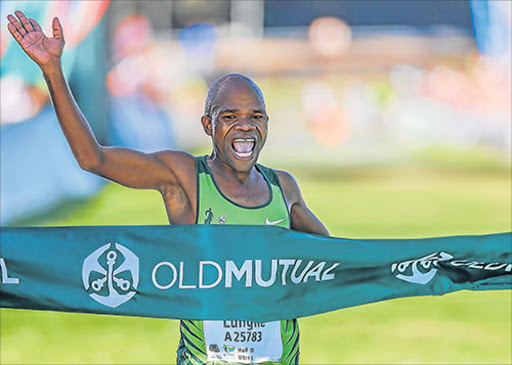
(110, 272)
(428, 264)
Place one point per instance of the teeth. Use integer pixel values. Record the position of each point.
(243, 147)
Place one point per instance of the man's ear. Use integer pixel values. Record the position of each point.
(206, 121)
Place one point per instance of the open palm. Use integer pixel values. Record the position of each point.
(37, 46)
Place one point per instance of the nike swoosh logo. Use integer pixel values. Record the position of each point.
(273, 223)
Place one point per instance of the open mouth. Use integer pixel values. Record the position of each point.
(243, 147)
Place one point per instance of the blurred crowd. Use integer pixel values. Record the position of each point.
(157, 81)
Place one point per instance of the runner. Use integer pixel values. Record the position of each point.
(225, 187)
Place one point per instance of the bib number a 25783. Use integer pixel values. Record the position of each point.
(243, 341)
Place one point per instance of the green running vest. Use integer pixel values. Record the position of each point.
(238, 342)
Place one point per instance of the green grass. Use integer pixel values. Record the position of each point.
(411, 201)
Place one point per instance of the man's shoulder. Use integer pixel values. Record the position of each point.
(290, 187)
(285, 177)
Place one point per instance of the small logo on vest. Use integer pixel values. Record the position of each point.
(111, 275)
(422, 269)
(208, 216)
(273, 223)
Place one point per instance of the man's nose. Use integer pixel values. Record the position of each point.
(246, 124)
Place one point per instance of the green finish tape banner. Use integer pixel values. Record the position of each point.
(252, 273)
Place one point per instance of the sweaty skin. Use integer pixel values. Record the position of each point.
(238, 113)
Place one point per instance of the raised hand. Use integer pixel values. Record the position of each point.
(27, 32)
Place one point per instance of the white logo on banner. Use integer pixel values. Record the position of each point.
(111, 271)
(422, 269)
(5, 276)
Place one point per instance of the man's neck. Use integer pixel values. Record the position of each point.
(246, 188)
(221, 170)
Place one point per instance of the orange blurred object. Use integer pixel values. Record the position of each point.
(324, 115)
(131, 34)
(330, 37)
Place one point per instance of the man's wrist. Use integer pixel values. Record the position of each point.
(52, 68)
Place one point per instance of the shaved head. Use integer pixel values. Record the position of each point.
(223, 81)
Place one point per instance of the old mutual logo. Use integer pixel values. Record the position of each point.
(111, 275)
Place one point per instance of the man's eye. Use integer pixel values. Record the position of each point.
(258, 116)
(228, 117)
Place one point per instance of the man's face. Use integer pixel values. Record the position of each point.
(238, 125)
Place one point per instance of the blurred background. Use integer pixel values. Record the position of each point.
(394, 116)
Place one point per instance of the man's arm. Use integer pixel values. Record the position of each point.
(302, 219)
(127, 167)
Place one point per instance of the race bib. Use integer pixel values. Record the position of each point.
(243, 341)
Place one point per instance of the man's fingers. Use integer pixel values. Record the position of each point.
(57, 29)
(24, 21)
(14, 32)
(16, 24)
(35, 24)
